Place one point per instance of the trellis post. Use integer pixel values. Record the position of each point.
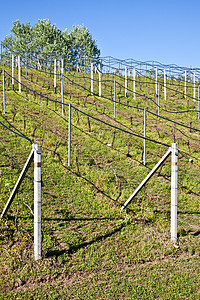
(13, 66)
(198, 105)
(99, 80)
(37, 201)
(126, 71)
(156, 83)
(114, 98)
(194, 89)
(159, 99)
(144, 151)
(91, 78)
(165, 90)
(185, 83)
(4, 98)
(69, 136)
(134, 84)
(174, 191)
(19, 73)
(55, 76)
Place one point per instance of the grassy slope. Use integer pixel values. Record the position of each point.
(90, 248)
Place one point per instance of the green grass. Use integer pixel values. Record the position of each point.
(91, 249)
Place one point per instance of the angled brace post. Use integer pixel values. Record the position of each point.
(165, 156)
(18, 183)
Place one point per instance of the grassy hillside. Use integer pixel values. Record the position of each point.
(90, 248)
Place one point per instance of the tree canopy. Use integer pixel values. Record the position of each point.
(43, 38)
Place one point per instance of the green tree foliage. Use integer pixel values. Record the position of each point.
(43, 38)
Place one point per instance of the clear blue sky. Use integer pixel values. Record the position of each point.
(167, 31)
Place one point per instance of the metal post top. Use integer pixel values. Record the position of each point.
(37, 148)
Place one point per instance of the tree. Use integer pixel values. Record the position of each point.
(44, 39)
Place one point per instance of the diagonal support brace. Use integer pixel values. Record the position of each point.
(165, 156)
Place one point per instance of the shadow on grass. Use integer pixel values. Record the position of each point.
(75, 248)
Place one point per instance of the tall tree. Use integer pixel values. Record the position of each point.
(46, 39)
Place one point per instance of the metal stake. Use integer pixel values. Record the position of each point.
(174, 190)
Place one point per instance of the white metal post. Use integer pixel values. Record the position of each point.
(26, 66)
(37, 201)
(174, 191)
(19, 73)
(198, 105)
(62, 93)
(4, 101)
(99, 80)
(134, 84)
(126, 71)
(194, 89)
(13, 65)
(165, 91)
(91, 78)
(159, 99)
(156, 83)
(144, 153)
(59, 68)
(69, 136)
(62, 66)
(185, 83)
(55, 76)
(114, 98)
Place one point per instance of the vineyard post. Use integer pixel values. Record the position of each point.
(114, 98)
(126, 71)
(62, 94)
(134, 84)
(198, 105)
(144, 151)
(13, 65)
(159, 99)
(26, 65)
(165, 91)
(59, 69)
(37, 201)
(156, 83)
(174, 190)
(19, 73)
(91, 78)
(4, 111)
(185, 83)
(55, 76)
(99, 80)
(69, 136)
(1, 54)
(194, 90)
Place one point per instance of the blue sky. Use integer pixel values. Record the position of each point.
(166, 31)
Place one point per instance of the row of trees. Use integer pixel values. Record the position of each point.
(46, 40)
